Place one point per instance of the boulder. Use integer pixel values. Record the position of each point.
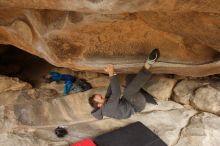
(12, 84)
(10, 139)
(73, 108)
(207, 99)
(184, 90)
(166, 124)
(160, 87)
(203, 130)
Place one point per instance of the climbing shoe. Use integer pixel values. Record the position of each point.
(60, 132)
(154, 55)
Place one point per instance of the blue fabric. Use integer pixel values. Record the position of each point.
(67, 87)
(55, 76)
(68, 79)
(79, 85)
(64, 77)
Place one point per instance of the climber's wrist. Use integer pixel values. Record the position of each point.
(112, 74)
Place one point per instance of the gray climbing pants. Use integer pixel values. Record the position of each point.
(133, 90)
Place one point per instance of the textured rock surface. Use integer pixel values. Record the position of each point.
(160, 87)
(184, 90)
(201, 94)
(167, 124)
(202, 130)
(61, 110)
(29, 117)
(207, 99)
(9, 139)
(88, 34)
(12, 84)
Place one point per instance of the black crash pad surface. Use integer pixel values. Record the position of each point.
(135, 134)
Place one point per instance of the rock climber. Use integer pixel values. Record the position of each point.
(134, 97)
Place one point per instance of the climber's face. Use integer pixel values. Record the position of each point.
(99, 100)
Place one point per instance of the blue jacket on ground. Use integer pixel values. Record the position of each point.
(68, 79)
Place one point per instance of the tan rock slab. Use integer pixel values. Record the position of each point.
(207, 99)
(166, 124)
(8, 84)
(202, 130)
(9, 139)
(160, 87)
(184, 90)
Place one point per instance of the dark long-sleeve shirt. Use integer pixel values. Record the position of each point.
(115, 107)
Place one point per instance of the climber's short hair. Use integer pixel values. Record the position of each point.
(92, 102)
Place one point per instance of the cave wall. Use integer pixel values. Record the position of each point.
(88, 34)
